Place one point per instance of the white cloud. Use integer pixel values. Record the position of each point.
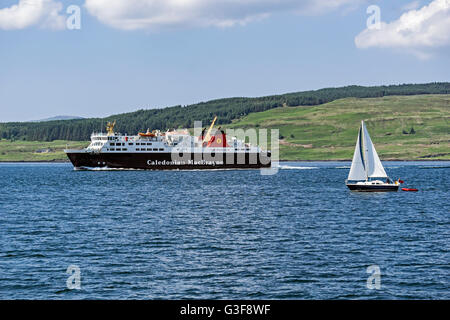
(411, 6)
(416, 30)
(156, 14)
(43, 13)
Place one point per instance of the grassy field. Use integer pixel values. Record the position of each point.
(26, 150)
(325, 132)
(329, 131)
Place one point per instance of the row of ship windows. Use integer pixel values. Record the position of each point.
(115, 139)
(137, 149)
(130, 144)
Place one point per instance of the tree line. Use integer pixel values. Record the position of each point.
(179, 116)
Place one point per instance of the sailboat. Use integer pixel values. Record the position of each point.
(367, 172)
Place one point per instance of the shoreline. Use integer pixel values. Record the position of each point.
(387, 160)
(340, 160)
(34, 161)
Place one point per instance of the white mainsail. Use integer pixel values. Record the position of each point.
(357, 170)
(366, 163)
(373, 164)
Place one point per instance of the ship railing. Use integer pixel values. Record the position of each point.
(101, 134)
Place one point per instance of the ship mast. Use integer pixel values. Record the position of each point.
(207, 137)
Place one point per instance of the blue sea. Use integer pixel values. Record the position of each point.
(299, 234)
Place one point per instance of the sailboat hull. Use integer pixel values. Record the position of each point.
(373, 188)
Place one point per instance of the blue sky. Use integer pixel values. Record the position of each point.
(129, 57)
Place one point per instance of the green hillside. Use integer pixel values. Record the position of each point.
(227, 110)
(329, 131)
(324, 132)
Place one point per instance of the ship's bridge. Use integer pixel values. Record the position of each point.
(98, 140)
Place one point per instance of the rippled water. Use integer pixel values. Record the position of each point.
(299, 234)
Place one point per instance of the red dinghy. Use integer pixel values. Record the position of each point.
(410, 189)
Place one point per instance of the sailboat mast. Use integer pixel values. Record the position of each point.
(364, 150)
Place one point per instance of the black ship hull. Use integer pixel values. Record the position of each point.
(166, 161)
(373, 188)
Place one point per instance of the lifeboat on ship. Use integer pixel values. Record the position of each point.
(148, 134)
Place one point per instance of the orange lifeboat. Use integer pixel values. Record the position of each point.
(147, 134)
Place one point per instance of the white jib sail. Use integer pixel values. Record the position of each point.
(373, 164)
(357, 170)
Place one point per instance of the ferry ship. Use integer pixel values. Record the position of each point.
(171, 150)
